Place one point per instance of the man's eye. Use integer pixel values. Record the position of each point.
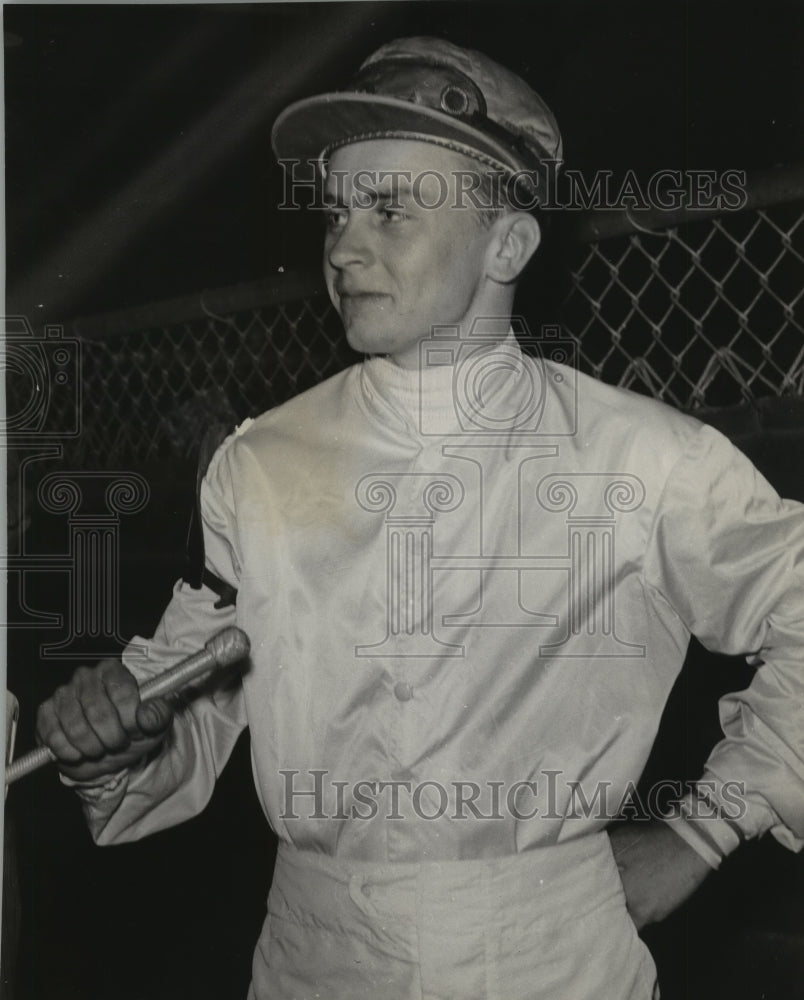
(393, 214)
(334, 218)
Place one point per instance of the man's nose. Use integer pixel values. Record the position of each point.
(350, 244)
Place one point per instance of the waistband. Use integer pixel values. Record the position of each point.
(563, 881)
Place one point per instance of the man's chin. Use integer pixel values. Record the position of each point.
(404, 350)
(364, 341)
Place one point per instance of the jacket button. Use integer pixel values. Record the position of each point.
(403, 691)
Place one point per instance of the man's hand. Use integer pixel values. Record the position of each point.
(658, 869)
(96, 724)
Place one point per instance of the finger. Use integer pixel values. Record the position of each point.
(74, 723)
(99, 710)
(123, 692)
(154, 716)
(49, 733)
(104, 722)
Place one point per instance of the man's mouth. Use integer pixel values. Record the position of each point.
(354, 298)
(352, 292)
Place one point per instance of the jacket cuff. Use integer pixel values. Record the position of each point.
(108, 786)
(702, 823)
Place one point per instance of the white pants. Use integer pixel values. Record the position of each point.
(548, 923)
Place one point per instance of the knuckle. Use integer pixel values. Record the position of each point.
(74, 722)
(107, 729)
(67, 710)
(96, 707)
(125, 696)
(118, 678)
(111, 669)
(44, 715)
(62, 695)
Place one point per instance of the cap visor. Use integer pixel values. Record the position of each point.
(305, 129)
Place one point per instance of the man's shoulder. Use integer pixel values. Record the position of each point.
(617, 427)
(631, 413)
(298, 422)
(303, 414)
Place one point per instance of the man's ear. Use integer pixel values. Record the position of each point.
(516, 236)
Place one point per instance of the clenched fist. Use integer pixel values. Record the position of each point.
(97, 725)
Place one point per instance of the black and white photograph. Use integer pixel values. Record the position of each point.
(404, 485)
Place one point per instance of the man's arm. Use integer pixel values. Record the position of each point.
(659, 870)
(728, 555)
(138, 767)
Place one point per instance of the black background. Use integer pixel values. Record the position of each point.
(138, 161)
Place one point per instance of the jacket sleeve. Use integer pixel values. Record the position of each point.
(727, 553)
(177, 784)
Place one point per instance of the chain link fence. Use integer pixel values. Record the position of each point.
(156, 392)
(703, 313)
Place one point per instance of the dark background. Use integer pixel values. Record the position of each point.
(138, 167)
(138, 162)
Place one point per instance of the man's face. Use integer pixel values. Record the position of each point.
(394, 267)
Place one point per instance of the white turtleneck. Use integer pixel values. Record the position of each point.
(455, 381)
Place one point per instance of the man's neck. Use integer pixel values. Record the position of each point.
(481, 329)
